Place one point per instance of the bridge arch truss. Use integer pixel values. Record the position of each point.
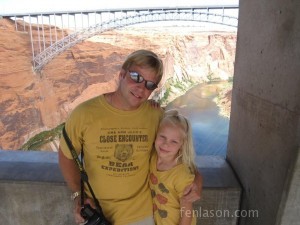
(46, 47)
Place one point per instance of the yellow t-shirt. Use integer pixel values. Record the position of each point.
(166, 189)
(117, 146)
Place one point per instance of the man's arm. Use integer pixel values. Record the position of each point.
(69, 171)
(193, 191)
(71, 174)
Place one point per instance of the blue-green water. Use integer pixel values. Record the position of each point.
(210, 130)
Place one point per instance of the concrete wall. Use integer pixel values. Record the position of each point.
(264, 133)
(33, 192)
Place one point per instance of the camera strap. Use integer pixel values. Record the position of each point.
(83, 174)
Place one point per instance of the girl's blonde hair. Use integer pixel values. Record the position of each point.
(145, 58)
(186, 153)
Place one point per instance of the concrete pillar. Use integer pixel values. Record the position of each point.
(290, 207)
(264, 133)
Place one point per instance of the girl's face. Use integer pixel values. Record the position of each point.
(168, 141)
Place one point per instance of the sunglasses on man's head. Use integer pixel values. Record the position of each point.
(137, 78)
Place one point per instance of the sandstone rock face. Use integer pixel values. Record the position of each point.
(32, 102)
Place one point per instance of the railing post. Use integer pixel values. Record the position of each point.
(31, 40)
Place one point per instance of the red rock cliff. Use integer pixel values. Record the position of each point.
(32, 102)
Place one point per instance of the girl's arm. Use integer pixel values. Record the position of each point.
(186, 213)
(191, 194)
(193, 191)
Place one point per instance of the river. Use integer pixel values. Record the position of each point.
(210, 130)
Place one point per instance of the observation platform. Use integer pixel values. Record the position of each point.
(33, 191)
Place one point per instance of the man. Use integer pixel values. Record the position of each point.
(116, 131)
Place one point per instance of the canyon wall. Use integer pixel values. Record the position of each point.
(33, 102)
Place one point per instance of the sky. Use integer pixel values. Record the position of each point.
(22, 6)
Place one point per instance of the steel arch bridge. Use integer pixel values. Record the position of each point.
(44, 49)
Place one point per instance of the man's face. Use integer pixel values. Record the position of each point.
(135, 94)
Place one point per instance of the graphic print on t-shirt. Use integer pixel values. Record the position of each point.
(123, 152)
(158, 191)
(119, 150)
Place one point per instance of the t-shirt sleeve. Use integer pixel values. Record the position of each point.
(185, 177)
(74, 129)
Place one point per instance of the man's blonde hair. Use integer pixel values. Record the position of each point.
(186, 154)
(145, 58)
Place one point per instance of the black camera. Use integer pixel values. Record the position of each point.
(92, 216)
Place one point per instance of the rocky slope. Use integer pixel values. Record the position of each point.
(33, 102)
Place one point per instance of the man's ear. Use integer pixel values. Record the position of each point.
(122, 74)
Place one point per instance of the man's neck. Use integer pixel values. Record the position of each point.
(116, 100)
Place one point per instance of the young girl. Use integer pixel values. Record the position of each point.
(172, 168)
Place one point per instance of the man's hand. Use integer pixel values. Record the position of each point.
(77, 208)
(191, 193)
(154, 103)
